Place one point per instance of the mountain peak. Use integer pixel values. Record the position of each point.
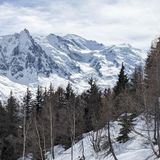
(25, 32)
(25, 39)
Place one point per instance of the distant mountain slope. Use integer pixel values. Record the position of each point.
(27, 60)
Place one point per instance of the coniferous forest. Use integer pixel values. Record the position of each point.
(38, 123)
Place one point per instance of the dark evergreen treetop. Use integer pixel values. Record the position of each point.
(3, 115)
(122, 81)
(69, 92)
(136, 79)
(12, 115)
(127, 122)
(27, 100)
(39, 99)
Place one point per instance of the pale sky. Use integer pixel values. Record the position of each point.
(107, 21)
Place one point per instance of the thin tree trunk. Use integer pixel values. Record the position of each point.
(147, 121)
(72, 149)
(158, 107)
(72, 137)
(158, 127)
(51, 131)
(44, 140)
(83, 157)
(24, 133)
(73, 128)
(74, 124)
(155, 125)
(39, 140)
(110, 142)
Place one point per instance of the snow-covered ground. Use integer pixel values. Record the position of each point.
(137, 148)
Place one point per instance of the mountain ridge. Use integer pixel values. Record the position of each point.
(40, 60)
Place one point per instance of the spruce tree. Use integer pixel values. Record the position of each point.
(3, 115)
(122, 104)
(93, 108)
(136, 79)
(127, 122)
(12, 115)
(61, 118)
(71, 115)
(39, 100)
(11, 146)
(69, 92)
(122, 81)
(136, 90)
(27, 103)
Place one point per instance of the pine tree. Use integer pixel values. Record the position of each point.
(93, 108)
(136, 79)
(51, 91)
(122, 105)
(69, 92)
(127, 122)
(3, 115)
(11, 146)
(8, 151)
(27, 103)
(122, 81)
(71, 115)
(39, 100)
(27, 106)
(136, 89)
(12, 115)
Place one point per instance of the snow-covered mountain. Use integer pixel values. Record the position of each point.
(27, 60)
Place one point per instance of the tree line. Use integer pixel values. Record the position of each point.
(61, 117)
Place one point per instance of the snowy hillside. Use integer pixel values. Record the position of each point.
(137, 148)
(27, 60)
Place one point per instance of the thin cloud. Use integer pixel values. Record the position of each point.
(107, 21)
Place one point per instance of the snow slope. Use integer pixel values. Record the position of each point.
(137, 148)
(27, 60)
